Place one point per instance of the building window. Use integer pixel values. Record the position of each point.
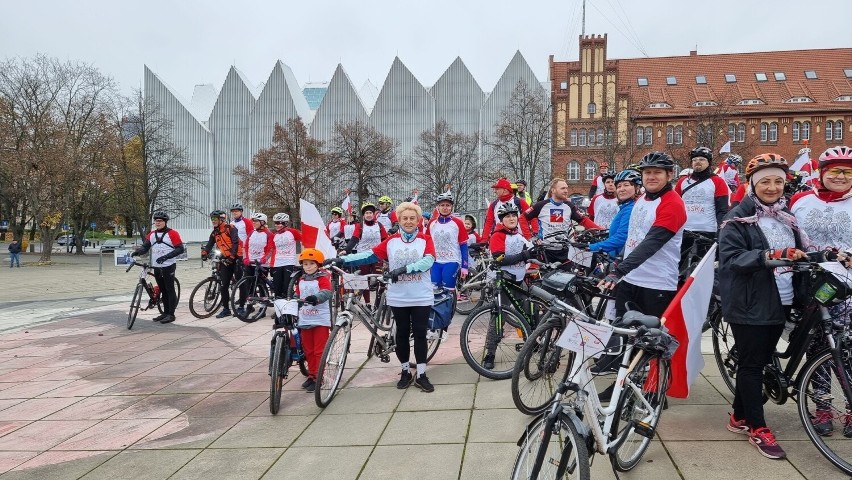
(773, 132)
(732, 132)
(592, 108)
(591, 137)
(764, 132)
(810, 74)
(642, 81)
(649, 136)
(609, 136)
(806, 130)
(741, 133)
(591, 170)
(779, 76)
(678, 135)
(701, 79)
(573, 170)
(563, 86)
(847, 72)
(582, 137)
(573, 137)
(838, 130)
(669, 135)
(704, 136)
(829, 130)
(600, 136)
(730, 78)
(796, 127)
(760, 77)
(640, 135)
(671, 80)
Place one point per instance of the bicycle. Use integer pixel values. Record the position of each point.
(559, 444)
(471, 289)
(825, 374)
(488, 346)
(354, 309)
(153, 291)
(209, 289)
(256, 287)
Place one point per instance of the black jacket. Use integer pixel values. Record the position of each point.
(15, 247)
(747, 287)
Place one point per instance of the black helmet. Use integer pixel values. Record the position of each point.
(657, 160)
(217, 214)
(237, 206)
(160, 215)
(701, 152)
(507, 208)
(608, 175)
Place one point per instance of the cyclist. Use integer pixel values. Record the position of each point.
(259, 246)
(628, 184)
(225, 237)
(705, 195)
(348, 229)
(730, 170)
(555, 214)
(314, 288)
(335, 228)
(165, 245)
(503, 190)
(386, 216)
(283, 263)
(243, 226)
(598, 186)
(522, 193)
(450, 239)
(366, 235)
(757, 300)
(604, 206)
(410, 256)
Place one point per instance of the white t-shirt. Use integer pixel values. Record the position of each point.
(827, 224)
(780, 236)
(285, 247)
(447, 237)
(257, 245)
(243, 226)
(700, 202)
(660, 271)
(313, 315)
(162, 243)
(510, 244)
(369, 235)
(412, 289)
(603, 210)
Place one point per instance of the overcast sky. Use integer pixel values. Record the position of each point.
(191, 42)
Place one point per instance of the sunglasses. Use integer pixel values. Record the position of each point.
(836, 172)
(279, 223)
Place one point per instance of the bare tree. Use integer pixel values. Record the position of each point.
(292, 168)
(448, 158)
(364, 156)
(522, 137)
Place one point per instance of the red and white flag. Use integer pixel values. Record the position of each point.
(347, 205)
(414, 198)
(313, 229)
(684, 318)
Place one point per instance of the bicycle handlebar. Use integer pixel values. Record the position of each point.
(561, 306)
(136, 264)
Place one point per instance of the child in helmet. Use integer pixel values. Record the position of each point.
(314, 289)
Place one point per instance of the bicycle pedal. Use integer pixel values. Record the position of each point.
(519, 346)
(384, 358)
(644, 429)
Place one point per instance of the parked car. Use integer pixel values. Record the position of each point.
(64, 240)
(111, 245)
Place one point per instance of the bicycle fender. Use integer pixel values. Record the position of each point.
(527, 429)
(343, 318)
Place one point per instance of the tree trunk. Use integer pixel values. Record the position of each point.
(46, 245)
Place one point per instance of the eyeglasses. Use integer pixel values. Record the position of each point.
(836, 172)
(279, 223)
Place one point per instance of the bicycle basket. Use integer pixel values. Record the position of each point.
(662, 344)
(834, 285)
(441, 315)
(559, 282)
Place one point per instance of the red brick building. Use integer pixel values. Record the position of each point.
(615, 111)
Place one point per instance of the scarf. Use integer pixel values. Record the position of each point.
(702, 175)
(506, 198)
(776, 211)
(828, 196)
(407, 237)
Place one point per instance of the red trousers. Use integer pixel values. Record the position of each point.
(313, 343)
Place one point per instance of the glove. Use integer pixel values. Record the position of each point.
(393, 229)
(160, 260)
(246, 262)
(204, 254)
(611, 280)
(136, 253)
(311, 300)
(579, 245)
(227, 261)
(332, 261)
(464, 273)
(780, 253)
(396, 272)
(531, 253)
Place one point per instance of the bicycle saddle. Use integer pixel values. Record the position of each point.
(632, 318)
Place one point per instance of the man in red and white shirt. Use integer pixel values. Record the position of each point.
(336, 227)
(286, 241)
(598, 186)
(604, 206)
(165, 245)
(705, 196)
(729, 170)
(556, 214)
(503, 190)
(258, 248)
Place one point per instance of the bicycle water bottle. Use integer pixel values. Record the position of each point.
(296, 342)
(156, 291)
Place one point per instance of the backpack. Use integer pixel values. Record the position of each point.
(441, 315)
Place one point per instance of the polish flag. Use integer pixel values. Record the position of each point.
(313, 229)
(347, 205)
(414, 198)
(684, 318)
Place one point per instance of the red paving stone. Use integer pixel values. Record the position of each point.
(124, 370)
(184, 430)
(36, 408)
(227, 404)
(175, 367)
(138, 386)
(53, 457)
(10, 460)
(231, 365)
(111, 435)
(204, 353)
(39, 436)
(10, 426)
(160, 406)
(253, 382)
(199, 383)
(83, 388)
(95, 408)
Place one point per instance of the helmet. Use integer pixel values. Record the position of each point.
(444, 197)
(765, 160)
(507, 208)
(686, 172)
(734, 159)
(259, 216)
(281, 217)
(161, 215)
(657, 160)
(337, 210)
(311, 254)
(701, 152)
(383, 199)
(629, 175)
(841, 154)
(237, 206)
(521, 182)
(610, 175)
(367, 206)
(217, 213)
(514, 186)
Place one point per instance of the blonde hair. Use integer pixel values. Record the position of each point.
(404, 206)
(553, 185)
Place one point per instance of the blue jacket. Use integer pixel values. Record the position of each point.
(614, 245)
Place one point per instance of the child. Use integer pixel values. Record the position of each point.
(314, 288)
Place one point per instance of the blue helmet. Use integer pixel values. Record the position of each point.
(629, 175)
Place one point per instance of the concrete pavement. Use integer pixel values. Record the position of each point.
(83, 397)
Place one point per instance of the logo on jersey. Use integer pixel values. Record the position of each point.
(556, 215)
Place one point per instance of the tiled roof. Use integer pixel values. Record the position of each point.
(829, 65)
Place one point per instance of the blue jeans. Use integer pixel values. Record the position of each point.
(14, 259)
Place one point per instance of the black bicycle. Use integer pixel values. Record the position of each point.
(254, 289)
(153, 291)
(206, 298)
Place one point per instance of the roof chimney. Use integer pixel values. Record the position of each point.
(693, 53)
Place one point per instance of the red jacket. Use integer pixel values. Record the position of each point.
(528, 228)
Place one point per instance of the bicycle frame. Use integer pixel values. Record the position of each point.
(354, 307)
(528, 320)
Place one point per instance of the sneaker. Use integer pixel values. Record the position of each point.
(224, 313)
(737, 426)
(307, 382)
(405, 379)
(311, 385)
(847, 424)
(445, 335)
(823, 422)
(488, 362)
(168, 319)
(160, 317)
(422, 382)
(241, 312)
(432, 335)
(764, 440)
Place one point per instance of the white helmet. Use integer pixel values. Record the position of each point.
(686, 172)
(281, 217)
(259, 216)
(444, 197)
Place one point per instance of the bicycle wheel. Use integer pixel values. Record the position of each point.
(278, 370)
(471, 296)
(540, 367)
(254, 308)
(205, 298)
(724, 350)
(821, 397)
(332, 364)
(552, 450)
(481, 341)
(635, 421)
(135, 303)
(160, 306)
